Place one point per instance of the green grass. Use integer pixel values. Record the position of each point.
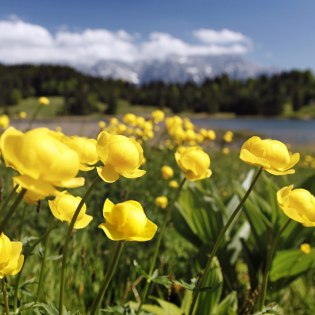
(30, 104)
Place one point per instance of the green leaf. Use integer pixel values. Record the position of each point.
(186, 302)
(292, 262)
(201, 217)
(259, 223)
(209, 297)
(228, 306)
(49, 309)
(166, 308)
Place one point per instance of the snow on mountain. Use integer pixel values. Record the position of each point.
(178, 69)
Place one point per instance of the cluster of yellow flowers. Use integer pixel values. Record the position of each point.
(183, 132)
(136, 127)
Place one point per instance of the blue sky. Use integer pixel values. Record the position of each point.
(280, 33)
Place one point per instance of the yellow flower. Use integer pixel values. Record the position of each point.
(4, 121)
(127, 221)
(272, 155)
(44, 101)
(22, 115)
(305, 248)
(129, 119)
(167, 172)
(64, 206)
(86, 150)
(297, 204)
(211, 134)
(11, 258)
(194, 162)
(225, 151)
(173, 184)
(161, 202)
(42, 160)
(157, 116)
(228, 136)
(36, 189)
(101, 124)
(120, 155)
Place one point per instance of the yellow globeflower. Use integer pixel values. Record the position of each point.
(211, 134)
(22, 115)
(44, 101)
(228, 136)
(120, 155)
(297, 204)
(167, 172)
(86, 150)
(11, 258)
(130, 119)
(42, 160)
(272, 155)
(194, 162)
(64, 206)
(4, 121)
(305, 248)
(127, 221)
(173, 184)
(157, 116)
(101, 124)
(161, 202)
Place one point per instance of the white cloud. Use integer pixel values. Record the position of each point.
(224, 36)
(23, 42)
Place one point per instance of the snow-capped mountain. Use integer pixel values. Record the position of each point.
(178, 69)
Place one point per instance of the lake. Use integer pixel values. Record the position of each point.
(297, 132)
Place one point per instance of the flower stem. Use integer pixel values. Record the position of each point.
(158, 244)
(218, 242)
(108, 277)
(41, 275)
(18, 277)
(32, 119)
(12, 209)
(5, 297)
(66, 244)
(6, 201)
(268, 265)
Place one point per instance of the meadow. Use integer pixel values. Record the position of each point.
(219, 236)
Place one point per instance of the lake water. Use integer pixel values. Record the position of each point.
(298, 132)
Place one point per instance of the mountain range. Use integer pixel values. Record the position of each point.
(178, 69)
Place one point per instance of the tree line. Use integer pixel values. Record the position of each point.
(263, 95)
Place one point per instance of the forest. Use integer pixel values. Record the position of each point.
(263, 95)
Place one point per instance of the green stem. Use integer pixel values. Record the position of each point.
(268, 265)
(22, 220)
(108, 277)
(41, 275)
(39, 107)
(158, 244)
(66, 244)
(12, 209)
(18, 277)
(5, 297)
(6, 201)
(218, 242)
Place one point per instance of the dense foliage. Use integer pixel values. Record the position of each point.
(264, 95)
